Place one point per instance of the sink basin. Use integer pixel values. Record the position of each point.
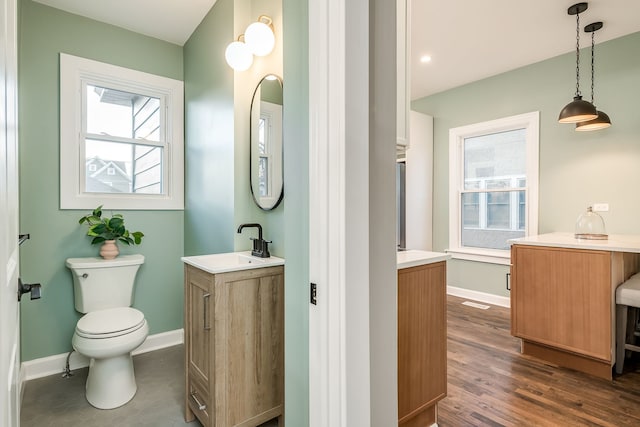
(232, 261)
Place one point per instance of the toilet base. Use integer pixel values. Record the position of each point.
(111, 382)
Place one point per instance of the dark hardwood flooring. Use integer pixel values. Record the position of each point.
(491, 384)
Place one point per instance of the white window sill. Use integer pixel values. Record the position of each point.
(489, 256)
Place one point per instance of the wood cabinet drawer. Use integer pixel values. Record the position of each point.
(198, 398)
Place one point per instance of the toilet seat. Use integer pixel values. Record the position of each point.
(109, 323)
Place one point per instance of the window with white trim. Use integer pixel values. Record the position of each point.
(121, 137)
(493, 186)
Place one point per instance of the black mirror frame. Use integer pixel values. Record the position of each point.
(253, 195)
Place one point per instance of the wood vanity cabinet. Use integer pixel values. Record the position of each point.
(422, 343)
(234, 346)
(563, 303)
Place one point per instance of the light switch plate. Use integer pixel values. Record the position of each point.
(600, 207)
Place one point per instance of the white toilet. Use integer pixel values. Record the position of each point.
(111, 329)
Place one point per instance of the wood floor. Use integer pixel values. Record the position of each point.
(491, 384)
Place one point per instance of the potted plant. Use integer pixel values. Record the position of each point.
(109, 230)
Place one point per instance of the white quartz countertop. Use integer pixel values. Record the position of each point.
(413, 258)
(232, 261)
(615, 243)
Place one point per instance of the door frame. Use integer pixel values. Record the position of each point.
(352, 250)
(10, 387)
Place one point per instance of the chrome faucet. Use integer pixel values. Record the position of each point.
(260, 246)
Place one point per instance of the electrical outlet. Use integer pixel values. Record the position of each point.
(600, 207)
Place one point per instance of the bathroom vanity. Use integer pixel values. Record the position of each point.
(563, 297)
(422, 336)
(234, 339)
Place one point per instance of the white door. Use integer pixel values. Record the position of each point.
(9, 311)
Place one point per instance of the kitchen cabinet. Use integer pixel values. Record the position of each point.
(422, 341)
(234, 346)
(403, 72)
(563, 300)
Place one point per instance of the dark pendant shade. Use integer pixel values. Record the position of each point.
(577, 110)
(601, 122)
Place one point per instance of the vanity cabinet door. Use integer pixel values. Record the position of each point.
(249, 346)
(422, 343)
(198, 316)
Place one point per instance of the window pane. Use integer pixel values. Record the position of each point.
(113, 167)
(146, 118)
(263, 176)
(263, 151)
(521, 210)
(498, 210)
(493, 184)
(262, 142)
(491, 226)
(123, 114)
(471, 210)
(495, 155)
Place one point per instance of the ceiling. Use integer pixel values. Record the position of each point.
(472, 40)
(467, 40)
(170, 20)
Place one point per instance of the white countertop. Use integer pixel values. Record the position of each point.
(232, 261)
(615, 243)
(413, 257)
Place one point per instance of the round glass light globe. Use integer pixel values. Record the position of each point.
(238, 56)
(260, 39)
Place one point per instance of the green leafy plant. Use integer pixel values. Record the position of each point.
(102, 228)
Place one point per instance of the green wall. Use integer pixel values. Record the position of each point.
(48, 324)
(209, 136)
(217, 102)
(576, 168)
(245, 210)
(296, 213)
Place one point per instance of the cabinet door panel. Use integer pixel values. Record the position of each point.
(199, 318)
(249, 342)
(562, 298)
(422, 337)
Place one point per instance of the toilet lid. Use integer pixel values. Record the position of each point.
(110, 322)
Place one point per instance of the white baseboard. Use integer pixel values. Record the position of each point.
(55, 364)
(479, 296)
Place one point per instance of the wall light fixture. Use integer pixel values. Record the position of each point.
(238, 54)
(258, 39)
(259, 36)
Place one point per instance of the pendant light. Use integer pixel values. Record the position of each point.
(602, 121)
(577, 110)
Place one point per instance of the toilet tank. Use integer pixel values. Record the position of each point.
(99, 284)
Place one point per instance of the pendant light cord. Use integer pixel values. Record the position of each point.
(578, 55)
(593, 68)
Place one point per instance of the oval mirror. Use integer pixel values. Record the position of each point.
(265, 152)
